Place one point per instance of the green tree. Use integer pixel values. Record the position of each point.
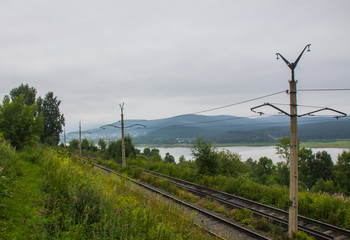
(155, 151)
(28, 92)
(102, 144)
(205, 156)
(169, 158)
(73, 145)
(322, 167)
(130, 150)
(314, 166)
(264, 169)
(147, 152)
(250, 163)
(283, 149)
(85, 144)
(182, 159)
(114, 149)
(281, 175)
(19, 122)
(53, 119)
(342, 171)
(155, 155)
(305, 157)
(324, 186)
(230, 164)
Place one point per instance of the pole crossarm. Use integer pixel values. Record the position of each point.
(109, 125)
(324, 109)
(270, 105)
(112, 125)
(141, 125)
(253, 109)
(293, 65)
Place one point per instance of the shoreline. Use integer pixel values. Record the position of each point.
(311, 144)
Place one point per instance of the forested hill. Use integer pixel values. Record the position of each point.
(226, 129)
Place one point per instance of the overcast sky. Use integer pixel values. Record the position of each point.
(165, 58)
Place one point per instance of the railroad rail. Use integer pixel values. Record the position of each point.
(319, 230)
(312, 227)
(207, 213)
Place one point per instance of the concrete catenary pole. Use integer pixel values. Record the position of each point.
(293, 192)
(80, 137)
(123, 143)
(293, 187)
(65, 138)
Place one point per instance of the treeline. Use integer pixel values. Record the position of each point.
(317, 171)
(113, 150)
(26, 119)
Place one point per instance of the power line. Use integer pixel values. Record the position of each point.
(324, 90)
(237, 103)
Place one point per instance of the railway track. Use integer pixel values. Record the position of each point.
(207, 213)
(314, 228)
(317, 229)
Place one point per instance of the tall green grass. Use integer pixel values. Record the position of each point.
(57, 197)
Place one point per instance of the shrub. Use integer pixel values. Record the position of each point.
(243, 216)
(302, 236)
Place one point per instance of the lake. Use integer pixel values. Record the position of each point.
(245, 152)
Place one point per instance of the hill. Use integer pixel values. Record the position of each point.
(225, 129)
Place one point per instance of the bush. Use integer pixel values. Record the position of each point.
(244, 216)
(302, 236)
(262, 224)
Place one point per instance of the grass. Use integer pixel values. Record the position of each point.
(55, 197)
(23, 204)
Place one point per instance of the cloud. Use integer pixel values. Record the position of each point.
(164, 58)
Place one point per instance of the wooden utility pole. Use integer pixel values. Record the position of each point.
(123, 143)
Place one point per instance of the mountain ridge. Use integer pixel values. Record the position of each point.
(223, 129)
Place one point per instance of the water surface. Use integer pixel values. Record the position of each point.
(245, 152)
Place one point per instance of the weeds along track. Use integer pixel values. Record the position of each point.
(208, 214)
(317, 229)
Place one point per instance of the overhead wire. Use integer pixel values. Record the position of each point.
(237, 103)
(323, 89)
